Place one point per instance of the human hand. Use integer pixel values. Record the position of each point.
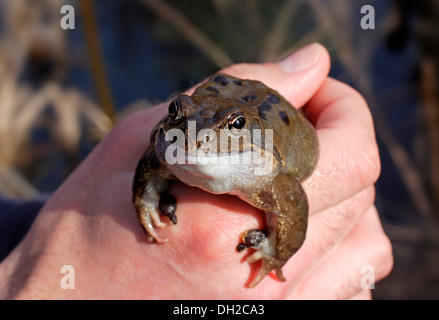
(90, 222)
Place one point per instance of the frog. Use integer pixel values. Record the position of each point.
(228, 105)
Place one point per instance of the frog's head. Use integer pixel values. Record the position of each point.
(214, 137)
(205, 120)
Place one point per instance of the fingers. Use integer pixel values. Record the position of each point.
(364, 256)
(349, 160)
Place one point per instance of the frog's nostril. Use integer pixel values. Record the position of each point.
(206, 139)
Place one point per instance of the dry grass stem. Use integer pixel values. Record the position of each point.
(32, 27)
(12, 184)
(314, 36)
(429, 84)
(279, 31)
(190, 31)
(96, 58)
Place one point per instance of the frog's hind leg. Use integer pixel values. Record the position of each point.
(286, 210)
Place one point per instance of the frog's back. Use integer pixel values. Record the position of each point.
(295, 139)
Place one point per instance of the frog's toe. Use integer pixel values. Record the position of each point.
(263, 271)
(264, 251)
(261, 274)
(268, 264)
(280, 275)
(155, 218)
(266, 268)
(256, 256)
(153, 234)
(147, 220)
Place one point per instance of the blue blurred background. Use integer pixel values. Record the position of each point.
(62, 90)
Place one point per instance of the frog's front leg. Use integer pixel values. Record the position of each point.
(150, 180)
(286, 208)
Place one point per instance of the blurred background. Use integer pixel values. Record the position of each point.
(61, 91)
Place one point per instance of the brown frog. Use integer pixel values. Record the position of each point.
(277, 150)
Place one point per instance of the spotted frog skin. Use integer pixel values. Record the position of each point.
(234, 106)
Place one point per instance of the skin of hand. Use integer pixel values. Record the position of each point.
(91, 225)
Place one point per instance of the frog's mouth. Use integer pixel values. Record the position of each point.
(254, 161)
(210, 148)
(216, 172)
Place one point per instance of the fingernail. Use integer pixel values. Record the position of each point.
(301, 60)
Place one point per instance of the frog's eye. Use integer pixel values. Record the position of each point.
(174, 109)
(239, 122)
(236, 121)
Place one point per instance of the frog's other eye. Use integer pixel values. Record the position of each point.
(174, 109)
(236, 122)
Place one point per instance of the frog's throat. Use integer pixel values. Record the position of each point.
(218, 174)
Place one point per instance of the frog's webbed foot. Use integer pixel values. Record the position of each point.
(257, 240)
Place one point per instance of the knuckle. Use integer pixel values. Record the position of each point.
(367, 167)
(368, 196)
